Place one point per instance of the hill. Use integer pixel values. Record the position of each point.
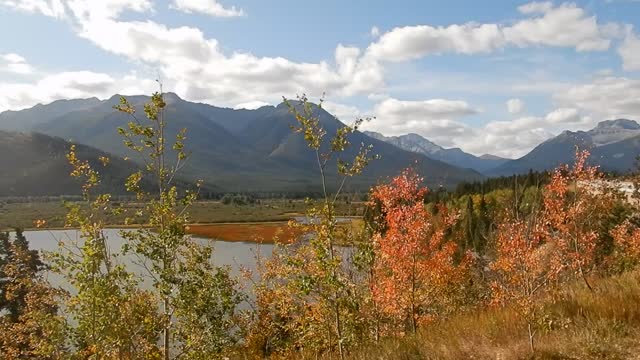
(35, 165)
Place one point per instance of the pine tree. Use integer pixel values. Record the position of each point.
(469, 225)
(483, 226)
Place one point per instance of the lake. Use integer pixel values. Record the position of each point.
(235, 254)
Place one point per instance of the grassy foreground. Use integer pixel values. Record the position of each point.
(579, 324)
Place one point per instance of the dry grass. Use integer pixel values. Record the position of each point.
(579, 324)
(264, 232)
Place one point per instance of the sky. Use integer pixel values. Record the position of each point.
(494, 77)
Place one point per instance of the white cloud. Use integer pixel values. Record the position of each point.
(209, 7)
(195, 67)
(536, 7)
(605, 98)
(436, 119)
(52, 8)
(439, 121)
(413, 42)
(85, 9)
(14, 63)
(563, 26)
(515, 106)
(345, 113)
(564, 116)
(251, 105)
(375, 32)
(630, 52)
(66, 85)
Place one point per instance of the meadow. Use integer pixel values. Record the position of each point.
(23, 214)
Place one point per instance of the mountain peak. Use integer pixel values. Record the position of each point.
(171, 96)
(491, 157)
(625, 124)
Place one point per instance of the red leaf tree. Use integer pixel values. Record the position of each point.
(415, 263)
(574, 202)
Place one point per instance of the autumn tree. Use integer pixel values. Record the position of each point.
(626, 247)
(197, 298)
(526, 264)
(416, 266)
(305, 296)
(575, 201)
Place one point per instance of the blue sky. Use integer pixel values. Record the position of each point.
(497, 78)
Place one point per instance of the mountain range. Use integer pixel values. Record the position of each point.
(231, 150)
(240, 150)
(454, 156)
(614, 146)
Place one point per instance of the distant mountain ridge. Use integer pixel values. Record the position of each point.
(36, 165)
(614, 146)
(232, 150)
(455, 156)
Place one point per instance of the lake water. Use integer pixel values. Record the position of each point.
(235, 254)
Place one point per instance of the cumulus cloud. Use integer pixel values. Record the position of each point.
(59, 86)
(208, 7)
(69, 85)
(413, 42)
(566, 25)
(52, 8)
(439, 120)
(605, 98)
(630, 52)
(14, 63)
(345, 113)
(515, 106)
(536, 7)
(196, 67)
(436, 119)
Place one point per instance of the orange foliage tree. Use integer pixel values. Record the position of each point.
(526, 263)
(574, 201)
(533, 253)
(415, 262)
(626, 241)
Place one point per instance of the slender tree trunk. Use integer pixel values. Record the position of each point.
(531, 335)
(414, 326)
(166, 341)
(584, 278)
